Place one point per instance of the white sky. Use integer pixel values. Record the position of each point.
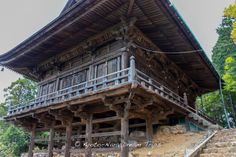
(20, 19)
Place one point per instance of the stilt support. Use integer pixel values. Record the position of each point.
(125, 131)
(51, 142)
(89, 128)
(68, 138)
(32, 141)
(149, 129)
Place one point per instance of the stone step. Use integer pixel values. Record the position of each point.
(220, 150)
(227, 131)
(218, 155)
(221, 144)
(226, 135)
(223, 139)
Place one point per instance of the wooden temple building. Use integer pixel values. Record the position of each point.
(107, 67)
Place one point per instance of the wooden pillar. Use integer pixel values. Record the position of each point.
(125, 131)
(79, 145)
(124, 64)
(185, 99)
(149, 129)
(124, 60)
(89, 128)
(51, 142)
(132, 69)
(68, 138)
(32, 141)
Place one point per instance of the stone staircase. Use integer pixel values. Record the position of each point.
(223, 144)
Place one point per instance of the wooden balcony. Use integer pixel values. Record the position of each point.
(114, 80)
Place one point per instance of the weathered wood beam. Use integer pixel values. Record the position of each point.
(101, 120)
(32, 141)
(89, 129)
(125, 130)
(51, 141)
(131, 4)
(68, 139)
(149, 128)
(79, 132)
(64, 117)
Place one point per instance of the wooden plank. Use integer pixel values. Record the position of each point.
(101, 120)
(113, 133)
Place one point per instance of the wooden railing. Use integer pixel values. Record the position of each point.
(197, 150)
(159, 89)
(115, 79)
(154, 86)
(111, 80)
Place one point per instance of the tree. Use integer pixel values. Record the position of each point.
(14, 140)
(20, 92)
(230, 62)
(231, 13)
(222, 59)
(211, 105)
(230, 74)
(224, 46)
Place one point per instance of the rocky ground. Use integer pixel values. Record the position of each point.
(170, 142)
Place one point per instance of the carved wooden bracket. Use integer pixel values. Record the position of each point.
(76, 109)
(66, 119)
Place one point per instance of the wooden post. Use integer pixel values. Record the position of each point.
(132, 69)
(185, 99)
(124, 63)
(51, 142)
(124, 60)
(80, 139)
(89, 127)
(125, 131)
(68, 138)
(149, 129)
(32, 141)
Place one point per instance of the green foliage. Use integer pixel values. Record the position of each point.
(230, 74)
(14, 140)
(230, 62)
(224, 46)
(223, 60)
(211, 105)
(20, 92)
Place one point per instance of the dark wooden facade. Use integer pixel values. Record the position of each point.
(102, 71)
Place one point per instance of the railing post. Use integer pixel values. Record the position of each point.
(9, 109)
(185, 99)
(150, 84)
(132, 69)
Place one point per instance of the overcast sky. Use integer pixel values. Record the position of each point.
(21, 18)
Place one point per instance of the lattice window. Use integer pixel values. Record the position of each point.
(80, 77)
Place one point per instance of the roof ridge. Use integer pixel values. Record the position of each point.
(68, 5)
